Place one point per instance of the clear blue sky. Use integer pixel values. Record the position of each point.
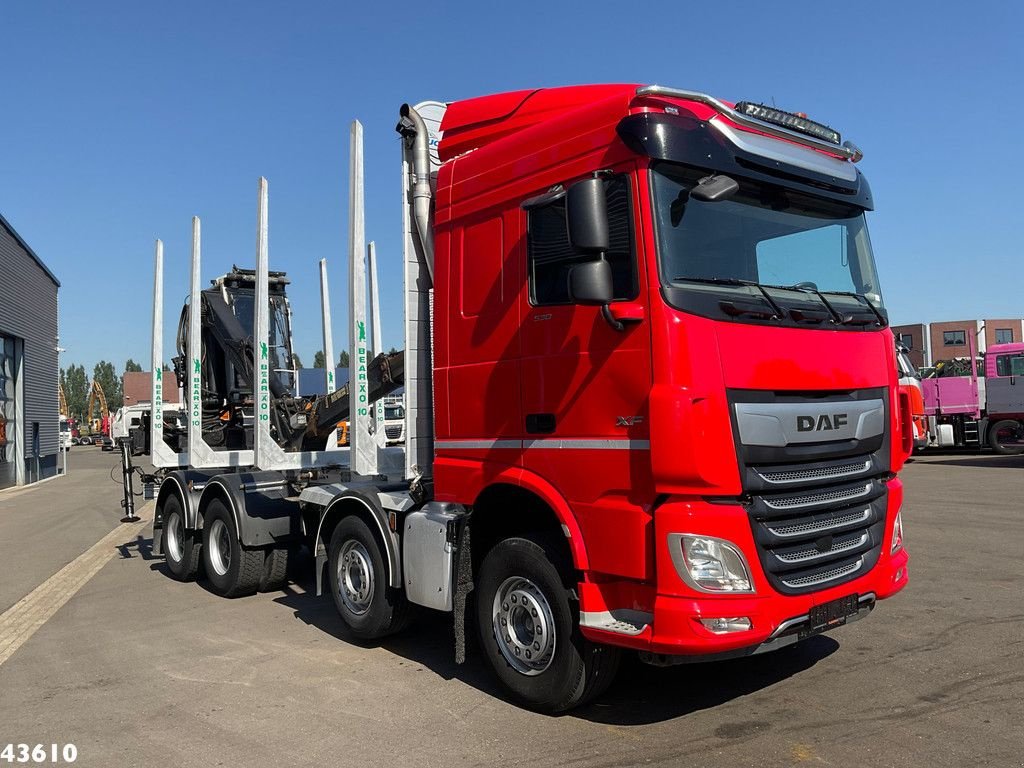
(120, 121)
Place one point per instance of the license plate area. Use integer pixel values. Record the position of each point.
(826, 616)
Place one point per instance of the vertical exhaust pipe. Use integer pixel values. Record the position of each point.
(412, 127)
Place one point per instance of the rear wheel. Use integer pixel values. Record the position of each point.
(529, 628)
(359, 583)
(232, 570)
(181, 549)
(1006, 437)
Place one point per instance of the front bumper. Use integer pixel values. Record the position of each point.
(667, 620)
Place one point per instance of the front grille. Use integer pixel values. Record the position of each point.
(824, 577)
(819, 524)
(835, 471)
(819, 537)
(393, 433)
(817, 498)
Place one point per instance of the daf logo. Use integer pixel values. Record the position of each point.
(822, 423)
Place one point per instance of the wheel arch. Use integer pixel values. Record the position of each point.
(370, 511)
(547, 507)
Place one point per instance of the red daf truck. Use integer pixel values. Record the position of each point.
(652, 396)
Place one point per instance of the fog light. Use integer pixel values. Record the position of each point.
(709, 564)
(724, 626)
(897, 534)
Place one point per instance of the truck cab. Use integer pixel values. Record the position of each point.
(716, 427)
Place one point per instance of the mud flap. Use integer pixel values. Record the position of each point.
(463, 586)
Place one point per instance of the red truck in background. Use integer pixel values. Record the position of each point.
(652, 396)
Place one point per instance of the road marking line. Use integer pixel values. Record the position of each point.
(19, 622)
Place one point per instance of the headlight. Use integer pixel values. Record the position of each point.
(709, 564)
(897, 534)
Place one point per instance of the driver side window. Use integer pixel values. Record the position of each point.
(550, 257)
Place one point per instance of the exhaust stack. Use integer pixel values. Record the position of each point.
(411, 126)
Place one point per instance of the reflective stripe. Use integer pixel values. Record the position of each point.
(614, 444)
(477, 444)
(620, 444)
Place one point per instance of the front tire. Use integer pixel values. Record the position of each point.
(359, 583)
(181, 549)
(529, 629)
(232, 570)
(1006, 430)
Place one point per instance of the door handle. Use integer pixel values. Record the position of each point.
(540, 423)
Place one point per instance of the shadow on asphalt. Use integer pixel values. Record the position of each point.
(640, 695)
(141, 545)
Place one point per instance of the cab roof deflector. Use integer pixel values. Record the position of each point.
(848, 150)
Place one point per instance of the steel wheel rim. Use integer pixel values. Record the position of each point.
(175, 537)
(524, 626)
(220, 547)
(1008, 437)
(355, 577)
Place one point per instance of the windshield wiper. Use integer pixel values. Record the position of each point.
(841, 319)
(779, 313)
(861, 297)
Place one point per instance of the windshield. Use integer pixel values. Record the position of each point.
(278, 336)
(393, 412)
(905, 366)
(763, 235)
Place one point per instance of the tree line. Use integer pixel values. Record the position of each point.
(77, 385)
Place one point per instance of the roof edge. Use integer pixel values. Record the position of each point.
(28, 249)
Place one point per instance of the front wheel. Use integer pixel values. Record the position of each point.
(1006, 437)
(530, 633)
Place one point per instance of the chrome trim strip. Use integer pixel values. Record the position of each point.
(797, 504)
(557, 443)
(802, 582)
(477, 445)
(750, 122)
(613, 444)
(817, 478)
(825, 526)
(844, 547)
(868, 598)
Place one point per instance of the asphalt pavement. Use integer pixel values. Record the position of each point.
(137, 669)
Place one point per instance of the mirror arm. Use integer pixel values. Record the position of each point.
(606, 313)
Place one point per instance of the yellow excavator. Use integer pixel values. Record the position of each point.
(100, 424)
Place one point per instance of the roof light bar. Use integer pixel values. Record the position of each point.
(847, 150)
(789, 120)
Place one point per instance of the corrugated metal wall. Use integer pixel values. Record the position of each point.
(28, 309)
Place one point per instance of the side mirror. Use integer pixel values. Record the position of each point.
(586, 216)
(591, 282)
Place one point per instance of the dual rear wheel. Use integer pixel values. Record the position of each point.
(231, 569)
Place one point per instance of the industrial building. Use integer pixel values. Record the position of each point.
(931, 342)
(29, 411)
(138, 387)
